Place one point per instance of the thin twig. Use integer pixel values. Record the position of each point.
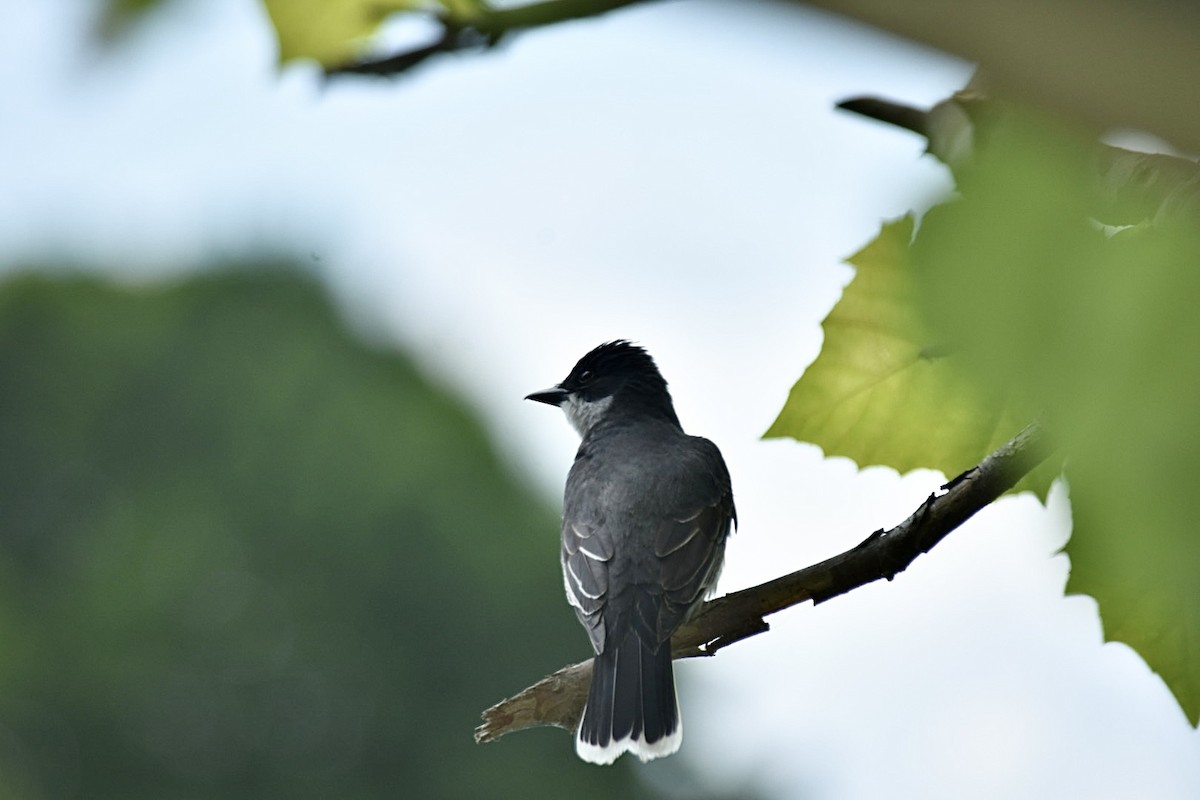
(480, 31)
(1130, 187)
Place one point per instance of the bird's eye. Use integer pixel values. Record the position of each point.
(585, 376)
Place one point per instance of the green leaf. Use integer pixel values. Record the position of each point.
(330, 31)
(1103, 332)
(1136, 452)
(883, 391)
(1143, 577)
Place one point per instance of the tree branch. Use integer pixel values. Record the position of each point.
(1130, 186)
(559, 698)
(480, 31)
(1104, 63)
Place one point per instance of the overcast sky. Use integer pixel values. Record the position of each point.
(676, 174)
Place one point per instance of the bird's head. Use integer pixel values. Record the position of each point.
(615, 378)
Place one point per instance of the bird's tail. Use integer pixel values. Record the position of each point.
(631, 704)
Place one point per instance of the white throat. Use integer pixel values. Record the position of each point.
(584, 414)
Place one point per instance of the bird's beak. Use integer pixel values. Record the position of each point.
(554, 396)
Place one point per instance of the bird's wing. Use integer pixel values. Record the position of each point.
(670, 518)
(587, 548)
(690, 545)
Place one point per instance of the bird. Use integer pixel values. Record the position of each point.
(647, 510)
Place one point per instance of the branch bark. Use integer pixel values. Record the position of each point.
(558, 699)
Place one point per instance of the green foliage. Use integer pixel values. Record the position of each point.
(885, 391)
(1008, 304)
(1102, 332)
(244, 555)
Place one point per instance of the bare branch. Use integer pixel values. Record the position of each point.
(559, 698)
(1137, 55)
(1130, 187)
(899, 114)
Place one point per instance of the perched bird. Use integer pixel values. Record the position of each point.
(646, 512)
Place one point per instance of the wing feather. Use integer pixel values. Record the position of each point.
(643, 539)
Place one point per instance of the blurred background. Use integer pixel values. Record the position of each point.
(275, 521)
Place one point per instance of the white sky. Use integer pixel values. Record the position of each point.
(674, 174)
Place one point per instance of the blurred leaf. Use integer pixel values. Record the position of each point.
(1136, 452)
(334, 32)
(329, 31)
(885, 391)
(1103, 334)
(1141, 572)
(244, 555)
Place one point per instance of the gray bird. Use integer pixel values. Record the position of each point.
(646, 513)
